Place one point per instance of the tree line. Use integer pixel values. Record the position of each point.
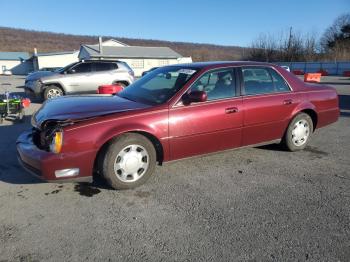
(12, 39)
(291, 46)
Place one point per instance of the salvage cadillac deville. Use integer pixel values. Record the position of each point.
(171, 113)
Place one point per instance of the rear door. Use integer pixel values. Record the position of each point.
(209, 126)
(268, 102)
(103, 74)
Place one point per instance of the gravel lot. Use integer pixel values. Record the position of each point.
(257, 204)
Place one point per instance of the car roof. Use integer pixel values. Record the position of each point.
(214, 64)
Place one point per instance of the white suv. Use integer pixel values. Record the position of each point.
(78, 78)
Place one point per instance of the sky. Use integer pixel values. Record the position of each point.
(222, 22)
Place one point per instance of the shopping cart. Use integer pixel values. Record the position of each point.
(12, 105)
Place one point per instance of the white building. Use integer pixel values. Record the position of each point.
(54, 59)
(16, 62)
(139, 58)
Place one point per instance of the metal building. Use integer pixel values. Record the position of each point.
(17, 62)
(139, 58)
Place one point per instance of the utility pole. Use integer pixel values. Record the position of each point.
(290, 43)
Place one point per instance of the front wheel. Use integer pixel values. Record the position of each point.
(129, 161)
(52, 92)
(298, 133)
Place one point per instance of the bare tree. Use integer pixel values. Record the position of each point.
(286, 46)
(336, 39)
(264, 48)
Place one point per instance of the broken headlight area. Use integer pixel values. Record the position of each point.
(49, 137)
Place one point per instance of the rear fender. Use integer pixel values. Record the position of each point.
(301, 107)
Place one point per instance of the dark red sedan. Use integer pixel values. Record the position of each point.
(171, 113)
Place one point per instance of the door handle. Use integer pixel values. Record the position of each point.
(288, 102)
(231, 110)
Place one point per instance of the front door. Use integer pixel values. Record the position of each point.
(80, 79)
(209, 126)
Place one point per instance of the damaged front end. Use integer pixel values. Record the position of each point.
(49, 137)
(40, 152)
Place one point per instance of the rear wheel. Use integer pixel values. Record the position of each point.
(129, 161)
(122, 84)
(52, 92)
(298, 133)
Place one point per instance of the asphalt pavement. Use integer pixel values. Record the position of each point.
(252, 204)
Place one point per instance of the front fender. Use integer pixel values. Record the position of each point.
(119, 130)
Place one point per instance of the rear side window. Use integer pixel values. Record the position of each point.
(126, 65)
(105, 66)
(278, 81)
(257, 81)
(261, 80)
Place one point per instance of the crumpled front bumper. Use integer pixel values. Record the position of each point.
(43, 164)
(33, 88)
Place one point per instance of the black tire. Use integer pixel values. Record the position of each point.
(289, 140)
(52, 92)
(112, 154)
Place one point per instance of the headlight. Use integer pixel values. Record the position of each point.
(57, 142)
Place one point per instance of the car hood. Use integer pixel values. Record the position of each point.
(70, 108)
(37, 75)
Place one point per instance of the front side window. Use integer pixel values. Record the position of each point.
(257, 81)
(158, 86)
(81, 68)
(67, 68)
(218, 84)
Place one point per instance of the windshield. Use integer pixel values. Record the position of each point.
(158, 86)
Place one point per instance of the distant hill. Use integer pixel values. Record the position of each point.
(12, 39)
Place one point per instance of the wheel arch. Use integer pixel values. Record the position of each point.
(126, 83)
(152, 138)
(307, 108)
(57, 84)
(312, 113)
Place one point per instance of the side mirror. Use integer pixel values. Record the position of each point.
(194, 97)
(72, 71)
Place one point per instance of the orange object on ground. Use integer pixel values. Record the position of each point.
(312, 77)
(323, 72)
(298, 72)
(109, 89)
(346, 73)
(25, 102)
